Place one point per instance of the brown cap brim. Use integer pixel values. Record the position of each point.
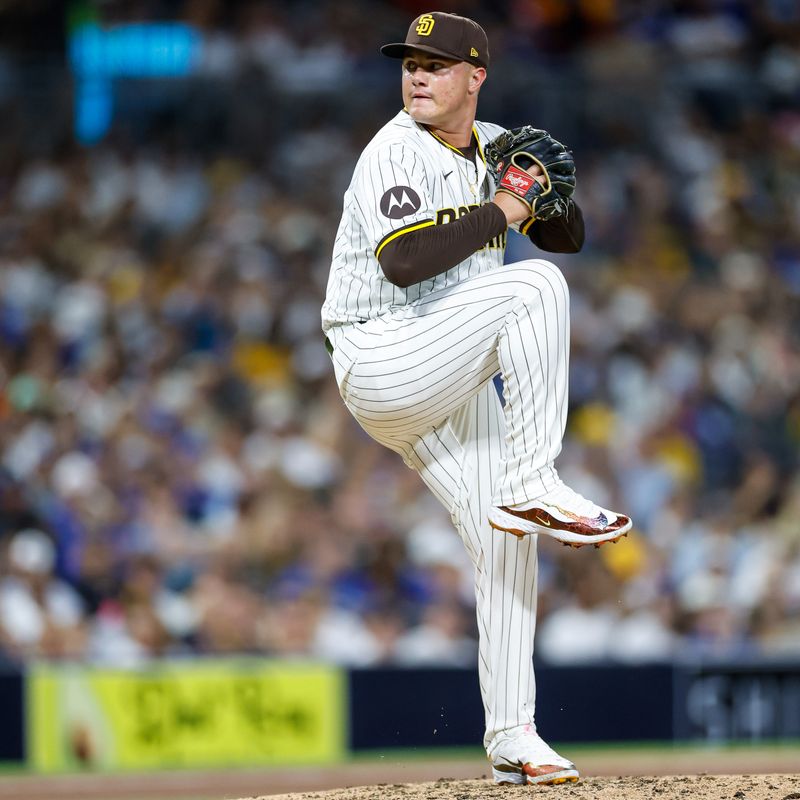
(399, 50)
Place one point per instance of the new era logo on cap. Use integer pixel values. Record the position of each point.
(442, 34)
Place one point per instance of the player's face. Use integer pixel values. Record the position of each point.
(435, 89)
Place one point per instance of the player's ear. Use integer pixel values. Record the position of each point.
(476, 79)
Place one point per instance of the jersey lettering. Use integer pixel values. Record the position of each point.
(499, 241)
(445, 215)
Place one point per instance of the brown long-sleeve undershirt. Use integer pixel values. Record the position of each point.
(422, 254)
(561, 234)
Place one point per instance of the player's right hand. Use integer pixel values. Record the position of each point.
(514, 208)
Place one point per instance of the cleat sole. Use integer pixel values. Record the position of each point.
(505, 522)
(557, 781)
(521, 781)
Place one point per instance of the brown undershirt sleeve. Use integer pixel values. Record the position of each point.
(559, 235)
(422, 254)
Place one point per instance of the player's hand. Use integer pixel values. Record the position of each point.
(514, 209)
(537, 172)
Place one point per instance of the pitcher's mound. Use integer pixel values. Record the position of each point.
(673, 787)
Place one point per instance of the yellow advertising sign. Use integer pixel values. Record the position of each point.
(202, 713)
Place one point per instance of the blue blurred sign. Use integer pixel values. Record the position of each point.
(142, 50)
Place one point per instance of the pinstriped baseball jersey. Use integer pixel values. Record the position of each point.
(407, 178)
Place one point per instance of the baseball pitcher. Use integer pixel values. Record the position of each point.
(421, 314)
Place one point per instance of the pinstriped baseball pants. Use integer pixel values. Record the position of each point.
(419, 381)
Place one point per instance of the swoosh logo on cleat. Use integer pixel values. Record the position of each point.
(539, 521)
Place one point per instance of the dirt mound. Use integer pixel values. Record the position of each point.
(673, 787)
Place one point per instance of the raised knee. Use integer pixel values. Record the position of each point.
(548, 271)
(537, 275)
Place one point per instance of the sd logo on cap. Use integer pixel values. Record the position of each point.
(425, 25)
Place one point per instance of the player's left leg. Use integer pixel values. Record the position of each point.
(465, 453)
(405, 373)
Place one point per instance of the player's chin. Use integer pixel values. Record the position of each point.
(421, 109)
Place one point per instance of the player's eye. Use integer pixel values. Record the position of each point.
(435, 66)
(410, 66)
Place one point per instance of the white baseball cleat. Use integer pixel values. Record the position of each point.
(566, 516)
(521, 756)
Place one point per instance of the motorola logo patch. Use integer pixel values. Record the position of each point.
(399, 202)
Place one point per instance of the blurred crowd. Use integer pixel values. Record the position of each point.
(178, 474)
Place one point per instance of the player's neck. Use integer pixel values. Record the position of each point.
(457, 137)
(456, 132)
